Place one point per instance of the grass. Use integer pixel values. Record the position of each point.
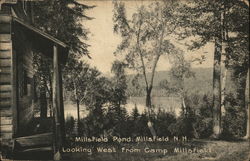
(221, 151)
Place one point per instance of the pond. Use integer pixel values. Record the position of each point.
(169, 104)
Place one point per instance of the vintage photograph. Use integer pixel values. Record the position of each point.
(124, 80)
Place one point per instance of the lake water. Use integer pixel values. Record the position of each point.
(169, 104)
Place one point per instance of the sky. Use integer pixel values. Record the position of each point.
(103, 41)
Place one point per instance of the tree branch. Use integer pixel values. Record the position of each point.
(158, 55)
(141, 57)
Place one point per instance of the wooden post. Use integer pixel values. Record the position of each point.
(14, 93)
(61, 105)
(57, 105)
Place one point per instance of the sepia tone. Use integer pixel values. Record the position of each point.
(124, 80)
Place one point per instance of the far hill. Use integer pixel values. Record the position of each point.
(201, 83)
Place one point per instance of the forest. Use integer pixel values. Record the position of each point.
(212, 108)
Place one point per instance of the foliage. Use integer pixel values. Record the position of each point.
(135, 113)
(198, 121)
(116, 116)
(119, 82)
(137, 123)
(95, 100)
(99, 93)
(43, 82)
(77, 80)
(42, 70)
(135, 86)
(180, 70)
(94, 122)
(203, 115)
(69, 125)
(163, 121)
(87, 85)
(202, 80)
(215, 21)
(202, 19)
(235, 116)
(114, 121)
(62, 21)
(145, 37)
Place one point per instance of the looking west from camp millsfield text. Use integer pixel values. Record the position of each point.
(108, 80)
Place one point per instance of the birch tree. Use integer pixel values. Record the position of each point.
(76, 82)
(213, 21)
(145, 38)
(180, 70)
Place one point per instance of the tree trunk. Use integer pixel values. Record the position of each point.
(148, 105)
(148, 97)
(238, 87)
(247, 106)
(224, 52)
(241, 89)
(78, 109)
(50, 97)
(184, 108)
(247, 97)
(43, 102)
(223, 92)
(78, 115)
(217, 89)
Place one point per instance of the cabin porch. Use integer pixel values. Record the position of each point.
(27, 130)
(43, 131)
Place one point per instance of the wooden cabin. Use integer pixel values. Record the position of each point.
(20, 108)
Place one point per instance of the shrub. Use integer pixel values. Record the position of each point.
(162, 122)
(69, 125)
(234, 122)
(197, 120)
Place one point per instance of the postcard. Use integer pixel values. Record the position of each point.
(124, 80)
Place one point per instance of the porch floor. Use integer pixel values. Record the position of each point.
(39, 146)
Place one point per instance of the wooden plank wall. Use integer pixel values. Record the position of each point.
(6, 127)
(25, 71)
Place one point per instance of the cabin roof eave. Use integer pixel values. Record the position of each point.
(41, 41)
(38, 31)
